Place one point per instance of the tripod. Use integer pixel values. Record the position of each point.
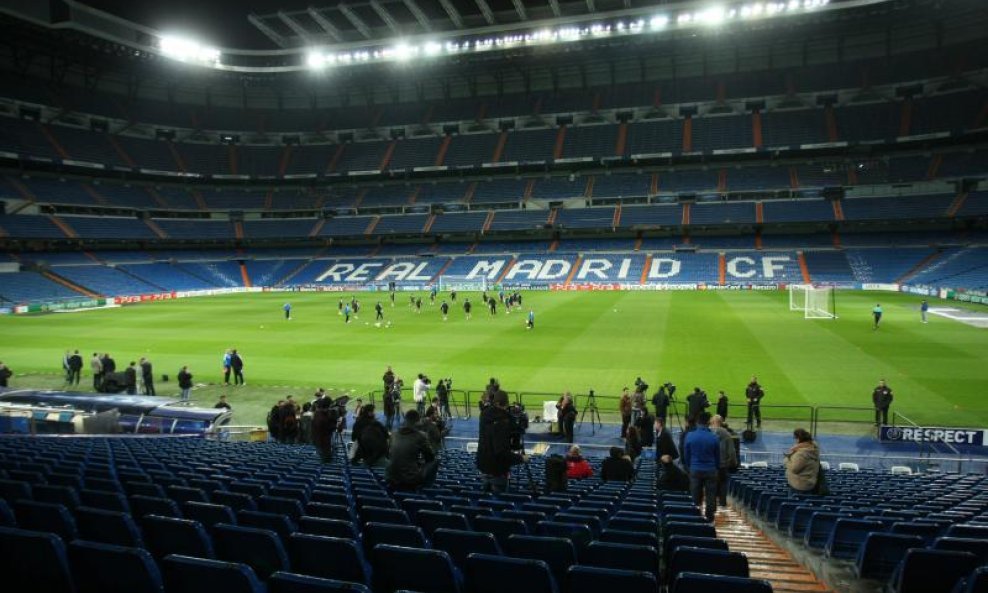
(594, 414)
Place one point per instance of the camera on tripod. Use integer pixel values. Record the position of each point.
(640, 386)
(670, 390)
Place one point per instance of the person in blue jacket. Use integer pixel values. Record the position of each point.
(701, 458)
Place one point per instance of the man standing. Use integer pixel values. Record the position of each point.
(444, 308)
(877, 314)
(237, 363)
(226, 367)
(493, 305)
(147, 377)
(701, 457)
(379, 310)
(288, 311)
(185, 383)
(924, 307)
(754, 394)
(624, 407)
(881, 397)
(566, 415)
(420, 391)
(130, 378)
(75, 368)
(494, 454)
(722, 405)
(404, 472)
(696, 403)
(467, 306)
(661, 401)
(531, 318)
(109, 365)
(728, 457)
(96, 366)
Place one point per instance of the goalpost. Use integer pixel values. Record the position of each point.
(816, 302)
(463, 283)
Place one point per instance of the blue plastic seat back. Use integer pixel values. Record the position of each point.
(289, 507)
(687, 559)
(106, 568)
(690, 529)
(168, 535)
(692, 582)
(34, 561)
(199, 575)
(621, 557)
(141, 506)
(328, 557)
(108, 527)
(430, 521)
(577, 533)
(927, 531)
(63, 495)
(501, 574)
(968, 531)
(459, 544)
(932, 571)
(260, 549)
(44, 516)
(7, 518)
(500, 527)
(593, 579)
(328, 527)
(237, 501)
(328, 511)
(558, 553)
(415, 569)
(635, 538)
(279, 524)
(848, 535)
(882, 552)
(286, 582)
(976, 582)
(208, 514)
(373, 514)
(643, 525)
(100, 499)
(12, 490)
(978, 547)
(708, 543)
(819, 528)
(395, 535)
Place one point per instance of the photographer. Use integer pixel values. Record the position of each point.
(754, 394)
(325, 421)
(662, 399)
(420, 393)
(567, 415)
(413, 462)
(494, 454)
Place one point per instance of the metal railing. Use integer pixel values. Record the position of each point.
(869, 417)
(928, 448)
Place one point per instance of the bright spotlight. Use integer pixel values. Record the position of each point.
(658, 22)
(316, 60)
(187, 50)
(713, 16)
(431, 48)
(404, 52)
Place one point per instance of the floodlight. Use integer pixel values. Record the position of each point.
(404, 52)
(684, 18)
(187, 50)
(712, 16)
(431, 48)
(316, 60)
(658, 22)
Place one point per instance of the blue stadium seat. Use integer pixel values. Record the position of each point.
(618, 536)
(968, 531)
(978, 547)
(592, 579)
(819, 528)
(108, 527)
(142, 506)
(578, 534)
(591, 521)
(105, 568)
(12, 490)
(927, 531)
(621, 557)
(279, 524)
(558, 553)
(500, 527)
(208, 514)
(413, 506)
(931, 571)
(43, 516)
(369, 514)
(395, 535)
(286, 582)
(308, 554)
(168, 535)
(144, 488)
(101, 499)
(182, 494)
(6, 515)
(260, 549)
(694, 582)
(329, 511)
(690, 529)
(199, 575)
(33, 561)
(289, 507)
(719, 562)
(428, 571)
(460, 544)
(430, 521)
(976, 582)
(501, 574)
(328, 527)
(645, 525)
(882, 552)
(237, 501)
(63, 495)
(708, 543)
(848, 535)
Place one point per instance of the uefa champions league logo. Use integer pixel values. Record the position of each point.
(893, 433)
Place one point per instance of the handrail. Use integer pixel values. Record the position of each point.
(818, 409)
(924, 444)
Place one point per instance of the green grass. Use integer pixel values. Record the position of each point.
(716, 340)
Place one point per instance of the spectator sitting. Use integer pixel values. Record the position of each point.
(672, 478)
(371, 438)
(576, 466)
(803, 462)
(633, 444)
(408, 445)
(617, 467)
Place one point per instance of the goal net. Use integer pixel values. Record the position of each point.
(463, 283)
(816, 302)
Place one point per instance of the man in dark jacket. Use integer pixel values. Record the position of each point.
(274, 420)
(324, 423)
(184, 382)
(130, 378)
(5, 375)
(371, 438)
(109, 365)
(881, 397)
(701, 457)
(237, 364)
(696, 403)
(494, 454)
(147, 377)
(722, 405)
(617, 467)
(75, 368)
(754, 394)
(413, 463)
(661, 401)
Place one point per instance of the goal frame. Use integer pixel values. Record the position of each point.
(807, 298)
(463, 283)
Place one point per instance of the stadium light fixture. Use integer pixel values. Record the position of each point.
(316, 60)
(184, 49)
(712, 16)
(659, 22)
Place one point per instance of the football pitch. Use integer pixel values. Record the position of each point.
(581, 341)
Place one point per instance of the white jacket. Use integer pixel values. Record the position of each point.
(419, 390)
